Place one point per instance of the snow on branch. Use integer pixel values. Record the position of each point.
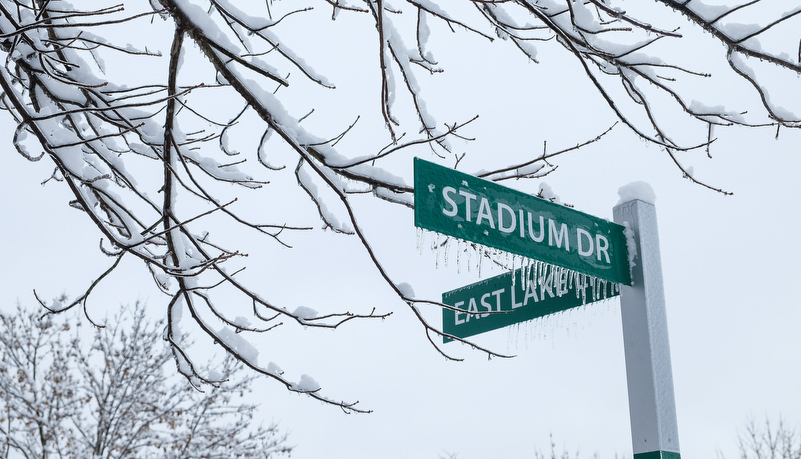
(179, 165)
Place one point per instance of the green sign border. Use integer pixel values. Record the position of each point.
(473, 209)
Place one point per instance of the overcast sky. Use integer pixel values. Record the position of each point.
(730, 268)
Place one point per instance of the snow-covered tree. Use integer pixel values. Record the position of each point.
(166, 121)
(769, 441)
(114, 398)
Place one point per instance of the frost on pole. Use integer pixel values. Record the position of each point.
(652, 406)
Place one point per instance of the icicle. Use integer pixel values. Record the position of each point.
(588, 289)
(514, 271)
(532, 271)
(435, 248)
(571, 278)
(529, 268)
(557, 272)
(580, 287)
(585, 279)
(459, 256)
(447, 248)
(540, 275)
(524, 272)
(480, 253)
(421, 237)
(466, 255)
(598, 292)
(576, 285)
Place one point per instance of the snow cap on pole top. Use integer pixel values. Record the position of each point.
(636, 190)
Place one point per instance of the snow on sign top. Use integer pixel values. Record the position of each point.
(477, 210)
(636, 190)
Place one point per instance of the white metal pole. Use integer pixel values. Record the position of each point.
(652, 406)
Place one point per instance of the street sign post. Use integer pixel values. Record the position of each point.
(576, 250)
(652, 406)
(477, 210)
(519, 296)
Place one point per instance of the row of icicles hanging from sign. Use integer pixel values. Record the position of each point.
(472, 256)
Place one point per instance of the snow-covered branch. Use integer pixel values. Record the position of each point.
(168, 162)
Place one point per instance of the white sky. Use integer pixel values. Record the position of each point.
(730, 265)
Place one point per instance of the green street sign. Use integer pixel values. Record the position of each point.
(477, 210)
(517, 296)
